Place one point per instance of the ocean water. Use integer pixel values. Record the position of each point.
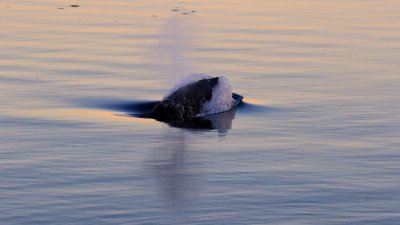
(316, 140)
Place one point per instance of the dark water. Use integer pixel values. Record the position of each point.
(316, 140)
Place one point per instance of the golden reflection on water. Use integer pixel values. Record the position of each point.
(88, 115)
(256, 101)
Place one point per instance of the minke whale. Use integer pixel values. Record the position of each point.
(197, 96)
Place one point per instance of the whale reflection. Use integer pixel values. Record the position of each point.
(174, 171)
(175, 167)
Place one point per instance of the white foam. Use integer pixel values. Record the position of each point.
(221, 100)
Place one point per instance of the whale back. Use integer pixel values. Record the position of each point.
(186, 102)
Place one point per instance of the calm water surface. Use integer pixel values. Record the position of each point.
(316, 141)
